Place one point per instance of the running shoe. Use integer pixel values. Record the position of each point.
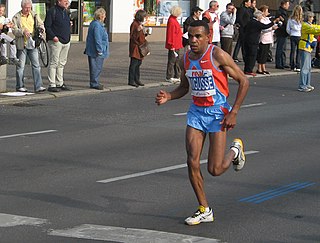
(200, 216)
(240, 160)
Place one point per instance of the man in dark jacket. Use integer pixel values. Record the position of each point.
(282, 35)
(57, 24)
(244, 15)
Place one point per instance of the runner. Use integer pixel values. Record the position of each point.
(206, 67)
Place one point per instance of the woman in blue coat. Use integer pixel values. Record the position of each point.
(97, 47)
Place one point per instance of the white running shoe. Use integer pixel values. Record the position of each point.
(240, 160)
(200, 216)
(22, 89)
(311, 87)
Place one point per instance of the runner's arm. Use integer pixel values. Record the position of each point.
(225, 62)
(183, 88)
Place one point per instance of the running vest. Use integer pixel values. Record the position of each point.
(209, 85)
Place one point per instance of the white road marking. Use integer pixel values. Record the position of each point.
(127, 235)
(243, 106)
(253, 105)
(27, 133)
(10, 220)
(149, 172)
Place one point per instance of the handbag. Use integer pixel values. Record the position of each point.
(144, 49)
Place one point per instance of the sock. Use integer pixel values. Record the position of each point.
(236, 151)
(207, 209)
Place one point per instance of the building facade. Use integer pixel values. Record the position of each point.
(120, 13)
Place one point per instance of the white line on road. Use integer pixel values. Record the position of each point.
(149, 172)
(27, 133)
(10, 220)
(127, 235)
(253, 105)
(243, 106)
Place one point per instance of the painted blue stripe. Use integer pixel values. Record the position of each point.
(266, 192)
(280, 194)
(276, 192)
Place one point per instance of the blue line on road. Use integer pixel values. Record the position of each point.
(264, 196)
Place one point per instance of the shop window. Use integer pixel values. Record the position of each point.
(90, 6)
(159, 11)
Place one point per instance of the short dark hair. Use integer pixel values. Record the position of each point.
(229, 4)
(198, 23)
(283, 2)
(140, 15)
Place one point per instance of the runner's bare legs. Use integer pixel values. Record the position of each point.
(218, 162)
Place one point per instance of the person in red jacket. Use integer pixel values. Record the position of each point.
(174, 45)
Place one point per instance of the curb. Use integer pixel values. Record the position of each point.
(21, 99)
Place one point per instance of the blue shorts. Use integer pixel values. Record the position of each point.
(207, 119)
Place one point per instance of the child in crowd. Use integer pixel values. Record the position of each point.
(5, 24)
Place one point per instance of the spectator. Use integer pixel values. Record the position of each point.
(251, 41)
(243, 17)
(211, 16)
(227, 20)
(253, 7)
(58, 35)
(5, 24)
(174, 45)
(306, 44)
(25, 23)
(266, 40)
(294, 30)
(137, 37)
(195, 15)
(281, 35)
(97, 47)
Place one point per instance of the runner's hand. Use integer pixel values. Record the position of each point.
(229, 121)
(162, 97)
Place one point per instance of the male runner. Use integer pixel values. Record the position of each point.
(206, 67)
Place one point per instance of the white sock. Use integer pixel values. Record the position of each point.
(236, 151)
(207, 209)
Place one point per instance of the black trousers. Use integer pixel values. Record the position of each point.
(134, 71)
(250, 57)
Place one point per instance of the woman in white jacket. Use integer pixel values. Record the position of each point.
(266, 40)
(294, 30)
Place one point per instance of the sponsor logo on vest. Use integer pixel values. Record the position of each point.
(202, 82)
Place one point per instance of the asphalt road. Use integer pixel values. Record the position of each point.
(110, 167)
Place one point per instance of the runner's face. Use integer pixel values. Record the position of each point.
(198, 39)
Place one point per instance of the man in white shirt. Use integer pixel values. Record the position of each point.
(211, 16)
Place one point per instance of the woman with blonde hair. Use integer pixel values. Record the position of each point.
(174, 45)
(266, 40)
(294, 30)
(306, 44)
(97, 47)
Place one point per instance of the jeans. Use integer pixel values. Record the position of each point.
(36, 70)
(305, 73)
(294, 52)
(134, 71)
(173, 67)
(3, 47)
(281, 52)
(58, 59)
(95, 68)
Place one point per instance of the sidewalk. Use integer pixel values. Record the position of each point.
(114, 75)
